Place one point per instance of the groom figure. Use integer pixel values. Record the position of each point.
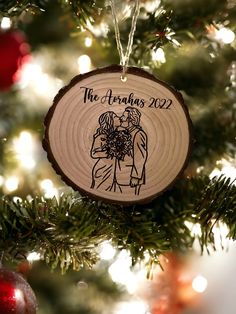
(130, 172)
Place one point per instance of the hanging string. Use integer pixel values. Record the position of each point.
(124, 57)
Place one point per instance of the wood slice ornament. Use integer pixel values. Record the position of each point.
(120, 141)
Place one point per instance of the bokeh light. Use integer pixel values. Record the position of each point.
(199, 284)
(6, 23)
(24, 148)
(225, 35)
(159, 55)
(84, 64)
(88, 42)
(48, 188)
(107, 251)
(33, 256)
(11, 183)
(132, 307)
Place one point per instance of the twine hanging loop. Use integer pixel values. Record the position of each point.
(125, 55)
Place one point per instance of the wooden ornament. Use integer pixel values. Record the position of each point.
(122, 141)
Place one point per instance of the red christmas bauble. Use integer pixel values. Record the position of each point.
(16, 295)
(14, 50)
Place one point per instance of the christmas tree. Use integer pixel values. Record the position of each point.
(43, 44)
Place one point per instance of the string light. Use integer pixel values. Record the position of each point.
(137, 307)
(194, 228)
(222, 34)
(159, 55)
(88, 41)
(151, 6)
(221, 231)
(17, 199)
(107, 251)
(84, 64)
(232, 76)
(24, 148)
(37, 81)
(199, 284)
(11, 183)
(33, 256)
(120, 272)
(6, 23)
(225, 35)
(48, 188)
(227, 168)
(32, 74)
(98, 30)
(46, 184)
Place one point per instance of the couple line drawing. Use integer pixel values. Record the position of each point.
(120, 149)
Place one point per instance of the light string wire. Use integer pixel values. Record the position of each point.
(124, 57)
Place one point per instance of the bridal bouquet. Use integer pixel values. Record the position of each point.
(119, 144)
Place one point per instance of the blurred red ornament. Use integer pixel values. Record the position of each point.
(14, 52)
(16, 295)
(24, 268)
(171, 290)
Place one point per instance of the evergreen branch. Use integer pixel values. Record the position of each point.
(222, 127)
(67, 232)
(83, 10)
(15, 8)
(154, 32)
(86, 11)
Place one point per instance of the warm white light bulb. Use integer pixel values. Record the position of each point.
(159, 55)
(24, 147)
(120, 272)
(194, 228)
(33, 256)
(199, 284)
(11, 183)
(48, 188)
(46, 184)
(84, 63)
(134, 306)
(225, 35)
(151, 6)
(107, 251)
(88, 41)
(227, 168)
(5, 23)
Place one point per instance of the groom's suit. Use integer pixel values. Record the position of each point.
(133, 165)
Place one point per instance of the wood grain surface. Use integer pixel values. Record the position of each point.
(121, 142)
